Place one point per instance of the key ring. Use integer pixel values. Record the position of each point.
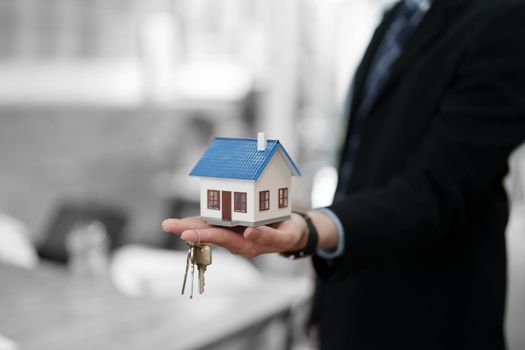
(198, 235)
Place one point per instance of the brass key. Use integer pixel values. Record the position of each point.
(202, 259)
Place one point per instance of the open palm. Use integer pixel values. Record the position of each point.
(288, 235)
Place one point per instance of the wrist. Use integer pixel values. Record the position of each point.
(301, 243)
(328, 238)
(307, 243)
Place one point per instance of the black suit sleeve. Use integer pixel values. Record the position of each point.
(481, 119)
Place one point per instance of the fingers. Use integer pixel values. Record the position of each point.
(229, 239)
(178, 226)
(253, 242)
(215, 235)
(226, 238)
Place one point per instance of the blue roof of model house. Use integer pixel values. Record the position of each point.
(236, 158)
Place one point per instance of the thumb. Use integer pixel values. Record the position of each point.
(268, 236)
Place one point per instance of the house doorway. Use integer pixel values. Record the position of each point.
(226, 206)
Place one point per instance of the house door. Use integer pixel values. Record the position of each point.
(226, 206)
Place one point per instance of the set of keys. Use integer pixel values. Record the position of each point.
(200, 255)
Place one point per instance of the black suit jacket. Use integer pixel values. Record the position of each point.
(424, 264)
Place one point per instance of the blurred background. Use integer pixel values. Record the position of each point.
(105, 106)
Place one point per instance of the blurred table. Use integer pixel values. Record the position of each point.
(48, 309)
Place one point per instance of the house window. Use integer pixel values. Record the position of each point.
(264, 200)
(213, 200)
(239, 202)
(283, 197)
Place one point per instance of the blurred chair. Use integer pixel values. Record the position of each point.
(69, 216)
(15, 245)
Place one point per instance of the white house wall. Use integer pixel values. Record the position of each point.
(276, 175)
(209, 183)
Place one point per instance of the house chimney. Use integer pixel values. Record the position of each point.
(261, 142)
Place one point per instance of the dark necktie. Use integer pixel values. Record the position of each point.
(407, 17)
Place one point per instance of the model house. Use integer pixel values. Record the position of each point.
(245, 182)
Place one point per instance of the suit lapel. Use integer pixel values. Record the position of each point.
(362, 71)
(364, 66)
(436, 20)
(430, 28)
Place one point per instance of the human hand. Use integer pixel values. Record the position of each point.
(288, 235)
